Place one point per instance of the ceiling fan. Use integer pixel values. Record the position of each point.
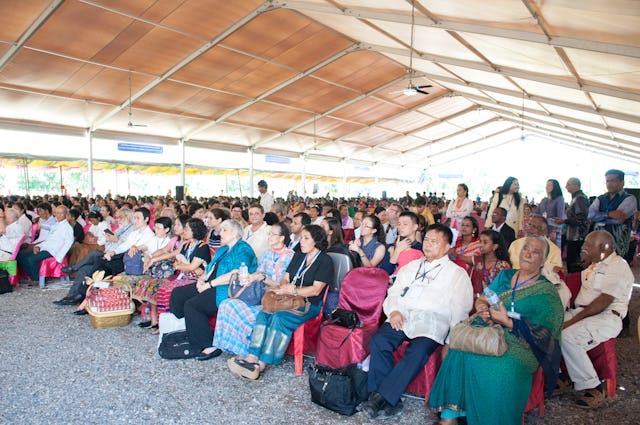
(412, 89)
(130, 122)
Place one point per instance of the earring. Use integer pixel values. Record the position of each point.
(601, 256)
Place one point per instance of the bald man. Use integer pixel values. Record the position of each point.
(601, 304)
(577, 223)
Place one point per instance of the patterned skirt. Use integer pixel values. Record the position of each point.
(234, 326)
(163, 293)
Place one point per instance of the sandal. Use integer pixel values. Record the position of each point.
(562, 386)
(591, 399)
(244, 369)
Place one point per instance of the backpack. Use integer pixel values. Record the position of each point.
(5, 286)
(176, 345)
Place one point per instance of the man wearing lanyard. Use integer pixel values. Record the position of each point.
(614, 211)
(429, 296)
(88, 264)
(601, 304)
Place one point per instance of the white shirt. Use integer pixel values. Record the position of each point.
(266, 200)
(432, 304)
(59, 240)
(26, 225)
(258, 240)
(144, 237)
(45, 227)
(318, 220)
(11, 237)
(610, 276)
(457, 214)
(293, 241)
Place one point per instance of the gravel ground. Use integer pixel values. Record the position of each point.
(56, 368)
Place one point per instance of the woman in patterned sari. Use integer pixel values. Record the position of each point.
(467, 245)
(532, 331)
(235, 318)
(493, 258)
(173, 268)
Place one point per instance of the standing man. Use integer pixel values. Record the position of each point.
(57, 243)
(266, 200)
(577, 224)
(601, 304)
(614, 211)
(499, 216)
(429, 296)
(298, 222)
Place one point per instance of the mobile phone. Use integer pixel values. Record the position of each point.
(108, 231)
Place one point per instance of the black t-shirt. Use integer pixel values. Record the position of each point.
(321, 269)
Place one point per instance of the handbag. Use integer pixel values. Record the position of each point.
(162, 270)
(272, 302)
(345, 318)
(251, 293)
(340, 390)
(484, 339)
(133, 264)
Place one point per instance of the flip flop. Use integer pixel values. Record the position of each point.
(244, 369)
(591, 399)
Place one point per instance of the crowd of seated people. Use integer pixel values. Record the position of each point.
(191, 252)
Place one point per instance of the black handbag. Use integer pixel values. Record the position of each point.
(176, 345)
(340, 390)
(345, 318)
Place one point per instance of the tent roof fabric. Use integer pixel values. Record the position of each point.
(326, 78)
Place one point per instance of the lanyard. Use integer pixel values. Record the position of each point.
(121, 232)
(423, 276)
(488, 275)
(516, 286)
(300, 273)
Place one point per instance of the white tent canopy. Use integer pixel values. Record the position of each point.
(325, 79)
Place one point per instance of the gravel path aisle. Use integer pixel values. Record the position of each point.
(55, 368)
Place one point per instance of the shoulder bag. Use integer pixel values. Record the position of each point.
(272, 302)
(479, 338)
(251, 293)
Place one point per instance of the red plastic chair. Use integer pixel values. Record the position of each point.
(49, 267)
(34, 232)
(422, 383)
(363, 291)
(603, 357)
(10, 265)
(536, 396)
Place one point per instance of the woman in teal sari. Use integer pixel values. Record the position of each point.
(494, 390)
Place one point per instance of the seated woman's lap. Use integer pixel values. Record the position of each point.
(179, 296)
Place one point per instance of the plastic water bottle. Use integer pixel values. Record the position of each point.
(492, 298)
(146, 313)
(244, 274)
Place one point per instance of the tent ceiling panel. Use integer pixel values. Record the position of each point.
(368, 111)
(372, 136)
(235, 134)
(287, 38)
(550, 91)
(179, 98)
(616, 104)
(608, 70)
(329, 127)
(328, 78)
(22, 106)
(362, 71)
(617, 21)
(269, 116)
(408, 122)
(17, 15)
(518, 54)
(312, 94)
(229, 70)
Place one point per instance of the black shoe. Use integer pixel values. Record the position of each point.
(75, 300)
(59, 302)
(388, 410)
(374, 405)
(80, 312)
(68, 269)
(144, 325)
(204, 356)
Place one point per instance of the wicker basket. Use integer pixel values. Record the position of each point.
(113, 318)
